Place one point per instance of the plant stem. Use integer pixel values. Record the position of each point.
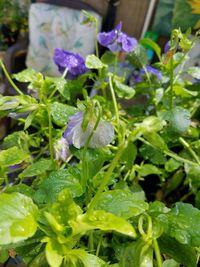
(99, 246)
(171, 82)
(114, 104)
(9, 79)
(96, 42)
(171, 154)
(84, 160)
(91, 241)
(186, 145)
(50, 133)
(157, 253)
(107, 175)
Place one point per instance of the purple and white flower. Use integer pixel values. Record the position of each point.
(61, 150)
(75, 135)
(117, 41)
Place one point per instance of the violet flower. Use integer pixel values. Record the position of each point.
(61, 150)
(74, 63)
(167, 47)
(75, 135)
(138, 75)
(152, 71)
(117, 41)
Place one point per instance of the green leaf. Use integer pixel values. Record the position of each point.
(50, 188)
(123, 91)
(152, 124)
(14, 139)
(27, 75)
(139, 253)
(77, 256)
(183, 254)
(156, 141)
(138, 58)
(172, 165)
(182, 223)
(93, 62)
(193, 174)
(152, 154)
(182, 9)
(194, 72)
(108, 57)
(151, 44)
(147, 169)
(99, 219)
(61, 113)
(180, 90)
(21, 188)
(170, 263)
(8, 102)
(178, 118)
(63, 210)
(37, 168)
(53, 250)
(18, 218)
(29, 120)
(129, 155)
(122, 203)
(12, 156)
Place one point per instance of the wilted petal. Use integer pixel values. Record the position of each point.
(75, 135)
(72, 123)
(61, 149)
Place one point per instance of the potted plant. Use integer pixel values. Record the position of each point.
(91, 181)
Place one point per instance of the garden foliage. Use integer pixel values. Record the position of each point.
(102, 166)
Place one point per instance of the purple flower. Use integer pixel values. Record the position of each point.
(75, 135)
(117, 41)
(167, 47)
(74, 63)
(61, 149)
(153, 71)
(138, 76)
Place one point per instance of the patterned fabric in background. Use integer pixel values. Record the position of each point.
(53, 27)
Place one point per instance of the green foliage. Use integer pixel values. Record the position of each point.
(18, 218)
(107, 179)
(122, 203)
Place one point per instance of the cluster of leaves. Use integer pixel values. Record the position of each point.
(133, 202)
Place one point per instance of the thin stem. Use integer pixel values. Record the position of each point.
(147, 74)
(186, 145)
(157, 253)
(50, 133)
(9, 79)
(114, 103)
(91, 241)
(171, 82)
(99, 246)
(171, 154)
(96, 42)
(107, 176)
(84, 161)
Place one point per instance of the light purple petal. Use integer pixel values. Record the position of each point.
(61, 149)
(128, 43)
(72, 123)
